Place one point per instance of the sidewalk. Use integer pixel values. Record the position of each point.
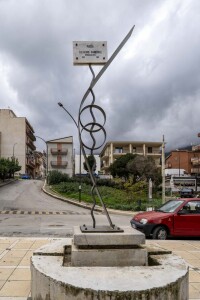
(7, 181)
(15, 253)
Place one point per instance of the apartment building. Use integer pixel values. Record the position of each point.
(114, 149)
(60, 155)
(185, 159)
(40, 164)
(17, 140)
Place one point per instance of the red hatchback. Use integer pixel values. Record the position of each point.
(178, 217)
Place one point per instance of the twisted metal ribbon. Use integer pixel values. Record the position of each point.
(94, 127)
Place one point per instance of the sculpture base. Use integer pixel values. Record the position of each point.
(100, 229)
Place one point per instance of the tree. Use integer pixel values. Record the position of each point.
(8, 167)
(3, 168)
(119, 167)
(92, 163)
(144, 168)
(13, 167)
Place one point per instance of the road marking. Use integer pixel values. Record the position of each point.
(22, 212)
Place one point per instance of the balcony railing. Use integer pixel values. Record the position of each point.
(104, 167)
(154, 152)
(196, 148)
(30, 163)
(195, 161)
(30, 144)
(105, 155)
(195, 170)
(31, 135)
(55, 151)
(61, 164)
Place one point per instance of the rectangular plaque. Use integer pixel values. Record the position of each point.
(88, 52)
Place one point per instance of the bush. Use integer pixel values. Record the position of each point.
(55, 177)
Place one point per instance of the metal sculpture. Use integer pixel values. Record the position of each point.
(92, 128)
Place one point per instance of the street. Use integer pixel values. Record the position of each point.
(25, 210)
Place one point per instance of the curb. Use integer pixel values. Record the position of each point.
(8, 182)
(86, 206)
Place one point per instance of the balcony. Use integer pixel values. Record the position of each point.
(30, 163)
(104, 167)
(105, 155)
(154, 153)
(30, 144)
(55, 151)
(30, 134)
(38, 162)
(59, 164)
(117, 153)
(195, 171)
(195, 161)
(196, 148)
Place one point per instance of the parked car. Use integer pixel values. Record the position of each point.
(25, 176)
(187, 193)
(177, 217)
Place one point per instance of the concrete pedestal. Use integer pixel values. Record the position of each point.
(108, 249)
(166, 279)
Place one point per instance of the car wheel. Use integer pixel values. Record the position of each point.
(160, 233)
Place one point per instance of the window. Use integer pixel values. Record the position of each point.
(150, 150)
(134, 149)
(118, 150)
(192, 207)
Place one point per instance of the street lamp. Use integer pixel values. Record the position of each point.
(179, 161)
(79, 189)
(47, 155)
(163, 169)
(14, 150)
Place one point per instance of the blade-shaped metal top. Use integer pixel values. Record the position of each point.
(93, 83)
(112, 57)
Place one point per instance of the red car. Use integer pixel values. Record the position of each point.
(178, 217)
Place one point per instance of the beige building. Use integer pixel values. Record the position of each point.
(17, 140)
(40, 164)
(114, 149)
(60, 155)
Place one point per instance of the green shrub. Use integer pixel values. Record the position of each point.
(55, 177)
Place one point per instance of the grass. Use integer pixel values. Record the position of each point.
(112, 197)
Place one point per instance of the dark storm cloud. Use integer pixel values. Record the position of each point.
(151, 89)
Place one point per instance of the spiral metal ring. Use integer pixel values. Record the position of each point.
(100, 127)
(93, 127)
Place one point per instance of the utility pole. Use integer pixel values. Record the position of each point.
(47, 169)
(163, 170)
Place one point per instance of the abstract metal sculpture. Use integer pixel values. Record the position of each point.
(92, 128)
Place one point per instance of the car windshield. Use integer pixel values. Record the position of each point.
(170, 206)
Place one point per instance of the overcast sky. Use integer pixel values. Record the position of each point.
(151, 88)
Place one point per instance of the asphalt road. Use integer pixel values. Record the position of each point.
(25, 210)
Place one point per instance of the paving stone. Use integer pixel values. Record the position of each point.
(14, 261)
(194, 276)
(2, 282)
(5, 273)
(193, 293)
(23, 245)
(4, 246)
(21, 274)
(16, 253)
(15, 289)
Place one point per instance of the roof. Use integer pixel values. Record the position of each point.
(66, 139)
